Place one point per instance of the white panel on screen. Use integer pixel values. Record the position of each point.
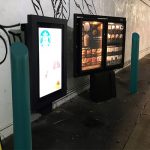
(50, 55)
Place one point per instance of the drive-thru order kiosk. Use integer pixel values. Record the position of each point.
(46, 40)
(99, 46)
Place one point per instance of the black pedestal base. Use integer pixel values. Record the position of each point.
(102, 86)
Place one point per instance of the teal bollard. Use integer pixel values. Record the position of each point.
(134, 63)
(21, 97)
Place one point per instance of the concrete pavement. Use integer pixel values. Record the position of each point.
(121, 123)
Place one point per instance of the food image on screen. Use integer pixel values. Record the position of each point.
(114, 43)
(50, 51)
(91, 45)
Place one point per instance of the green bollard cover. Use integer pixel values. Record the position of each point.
(134, 63)
(21, 97)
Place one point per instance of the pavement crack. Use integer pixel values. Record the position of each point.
(145, 114)
(136, 122)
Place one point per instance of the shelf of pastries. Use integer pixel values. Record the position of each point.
(114, 60)
(113, 50)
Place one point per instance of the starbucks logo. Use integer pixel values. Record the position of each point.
(45, 38)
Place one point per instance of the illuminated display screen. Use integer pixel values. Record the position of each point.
(91, 45)
(114, 43)
(50, 60)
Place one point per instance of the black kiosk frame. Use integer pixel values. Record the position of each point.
(44, 102)
(102, 80)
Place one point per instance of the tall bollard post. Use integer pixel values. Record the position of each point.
(134, 63)
(21, 97)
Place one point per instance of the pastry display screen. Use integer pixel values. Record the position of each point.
(99, 43)
(50, 60)
(114, 43)
(91, 45)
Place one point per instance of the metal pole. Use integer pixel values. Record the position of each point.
(134, 63)
(21, 97)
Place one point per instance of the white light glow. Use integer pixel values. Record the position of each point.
(50, 63)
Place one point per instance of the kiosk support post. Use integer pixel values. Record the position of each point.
(134, 63)
(21, 97)
(102, 86)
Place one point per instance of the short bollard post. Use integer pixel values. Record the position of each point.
(134, 63)
(21, 97)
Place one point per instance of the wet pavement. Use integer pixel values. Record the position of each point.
(121, 123)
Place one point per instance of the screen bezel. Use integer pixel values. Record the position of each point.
(34, 22)
(78, 19)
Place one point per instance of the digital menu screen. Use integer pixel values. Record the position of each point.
(114, 43)
(50, 63)
(91, 45)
